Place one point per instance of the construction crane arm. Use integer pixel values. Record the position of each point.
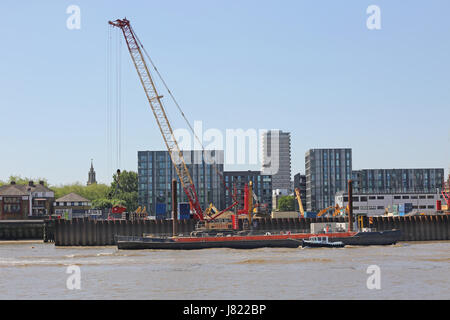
(300, 205)
(154, 100)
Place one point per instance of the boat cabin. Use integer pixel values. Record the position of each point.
(323, 239)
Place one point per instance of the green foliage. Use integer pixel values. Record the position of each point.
(19, 180)
(91, 192)
(127, 190)
(106, 203)
(286, 203)
(128, 182)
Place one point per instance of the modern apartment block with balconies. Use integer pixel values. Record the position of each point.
(276, 158)
(156, 171)
(327, 172)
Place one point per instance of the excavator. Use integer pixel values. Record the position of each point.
(338, 210)
(323, 211)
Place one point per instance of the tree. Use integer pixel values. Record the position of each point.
(127, 190)
(106, 203)
(128, 182)
(91, 192)
(286, 203)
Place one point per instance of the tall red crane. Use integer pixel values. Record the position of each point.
(135, 48)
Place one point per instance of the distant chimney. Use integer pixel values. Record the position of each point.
(13, 182)
(41, 183)
(30, 183)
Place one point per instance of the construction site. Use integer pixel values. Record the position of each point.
(247, 214)
(189, 218)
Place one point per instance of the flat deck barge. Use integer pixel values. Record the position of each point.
(285, 240)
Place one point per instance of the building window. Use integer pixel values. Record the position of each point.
(11, 205)
(380, 198)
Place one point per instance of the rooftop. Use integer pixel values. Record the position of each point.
(72, 197)
(14, 189)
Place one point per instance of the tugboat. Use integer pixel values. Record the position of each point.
(321, 242)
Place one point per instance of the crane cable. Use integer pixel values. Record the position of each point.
(118, 98)
(108, 99)
(114, 130)
(179, 109)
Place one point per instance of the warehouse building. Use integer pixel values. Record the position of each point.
(398, 180)
(375, 204)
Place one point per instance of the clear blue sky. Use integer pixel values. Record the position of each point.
(308, 67)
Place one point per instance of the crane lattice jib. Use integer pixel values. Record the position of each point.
(160, 114)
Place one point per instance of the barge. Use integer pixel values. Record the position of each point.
(250, 241)
(193, 243)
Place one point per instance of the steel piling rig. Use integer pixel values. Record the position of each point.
(154, 99)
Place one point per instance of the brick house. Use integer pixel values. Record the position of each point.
(19, 202)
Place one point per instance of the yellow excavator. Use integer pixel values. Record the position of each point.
(321, 212)
(339, 209)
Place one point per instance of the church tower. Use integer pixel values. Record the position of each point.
(91, 174)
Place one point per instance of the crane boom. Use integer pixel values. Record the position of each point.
(299, 200)
(134, 47)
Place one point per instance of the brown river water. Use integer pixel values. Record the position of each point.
(408, 270)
